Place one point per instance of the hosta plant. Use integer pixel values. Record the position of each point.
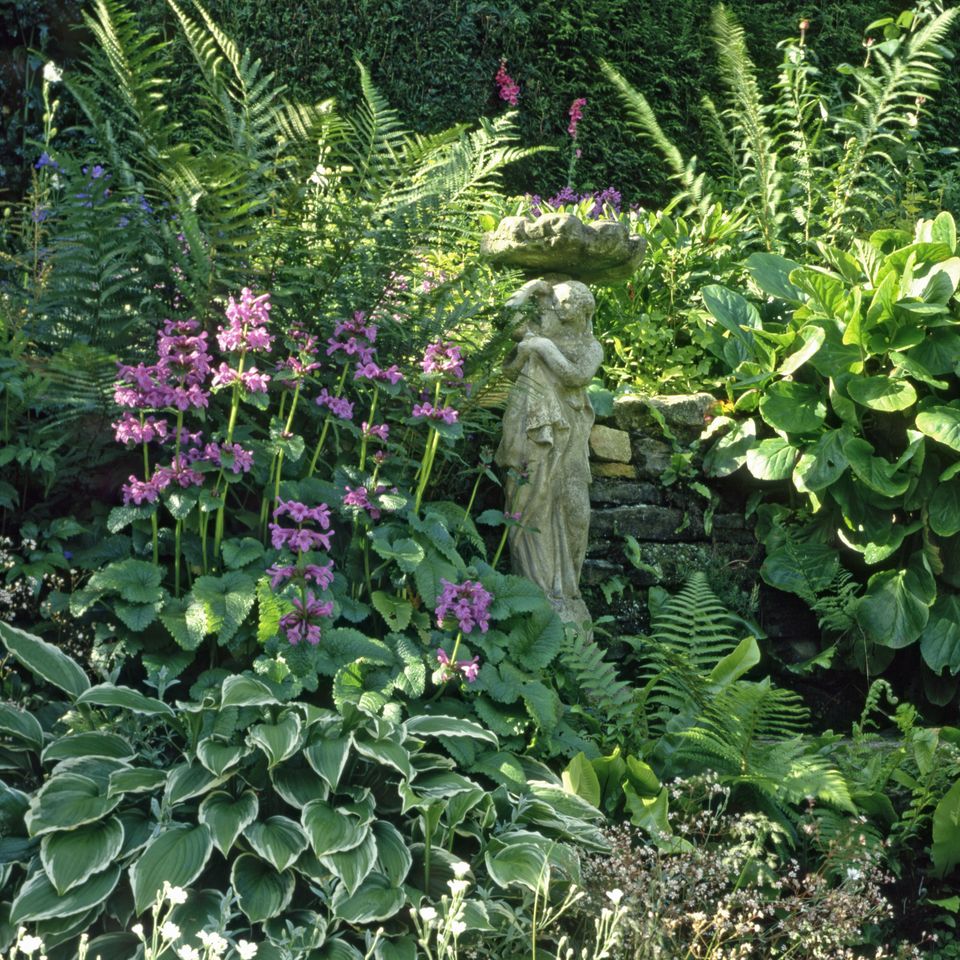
(846, 377)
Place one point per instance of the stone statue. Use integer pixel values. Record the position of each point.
(546, 429)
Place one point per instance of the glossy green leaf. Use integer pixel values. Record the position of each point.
(329, 830)
(811, 340)
(387, 752)
(278, 840)
(945, 851)
(771, 273)
(793, 407)
(941, 424)
(135, 780)
(244, 691)
(262, 893)
(821, 463)
(177, 855)
(188, 780)
(71, 857)
(436, 725)
(394, 859)
(278, 740)
(22, 727)
(516, 864)
(218, 757)
(375, 900)
(226, 817)
(124, 698)
(88, 745)
(885, 394)
(771, 459)
(44, 659)
(65, 801)
(944, 508)
(940, 641)
(893, 611)
(351, 867)
(328, 757)
(38, 899)
(581, 779)
(876, 473)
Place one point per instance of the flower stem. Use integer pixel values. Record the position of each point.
(366, 437)
(231, 423)
(326, 425)
(502, 544)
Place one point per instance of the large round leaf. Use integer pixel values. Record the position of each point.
(876, 473)
(71, 856)
(65, 801)
(941, 424)
(329, 830)
(226, 817)
(44, 659)
(278, 840)
(793, 407)
(373, 901)
(353, 866)
(940, 642)
(944, 508)
(771, 459)
(38, 899)
(822, 463)
(261, 892)
(177, 855)
(945, 851)
(882, 393)
(895, 608)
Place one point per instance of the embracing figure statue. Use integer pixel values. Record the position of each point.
(546, 431)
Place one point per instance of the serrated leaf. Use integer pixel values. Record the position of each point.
(186, 619)
(395, 611)
(241, 552)
(227, 600)
(542, 704)
(137, 581)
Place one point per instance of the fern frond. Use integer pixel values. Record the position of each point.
(614, 699)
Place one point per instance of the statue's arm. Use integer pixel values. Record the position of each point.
(575, 373)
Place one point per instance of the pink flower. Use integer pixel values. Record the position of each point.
(443, 357)
(576, 114)
(469, 668)
(339, 406)
(247, 329)
(139, 491)
(469, 602)
(128, 429)
(379, 430)
(359, 498)
(508, 90)
(302, 624)
(370, 371)
(428, 411)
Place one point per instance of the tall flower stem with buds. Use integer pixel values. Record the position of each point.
(231, 424)
(325, 429)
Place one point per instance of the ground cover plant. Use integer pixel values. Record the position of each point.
(269, 689)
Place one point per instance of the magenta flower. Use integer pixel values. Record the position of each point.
(469, 668)
(242, 460)
(507, 89)
(428, 411)
(359, 498)
(370, 371)
(301, 539)
(128, 429)
(302, 623)
(139, 491)
(469, 602)
(339, 406)
(179, 473)
(247, 327)
(443, 357)
(379, 430)
(252, 379)
(576, 115)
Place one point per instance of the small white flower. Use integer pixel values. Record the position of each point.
(460, 869)
(186, 952)
(215, 944)
(137, 928)
(246, 950)
(615, 896)
(428, 914)
(51, 72)
(458, 886)
(29, 945)
(458, 926)
(853, 873)
(174, 895)
(170, 931)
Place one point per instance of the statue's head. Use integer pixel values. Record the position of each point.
(574, 305)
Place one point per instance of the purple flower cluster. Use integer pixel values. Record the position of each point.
(428, 411)
(371, 371)
(609, 197)
(359, 497)
(469, 668)
(252, 380)
(179, 473)
(300, 539)
(379, 430)
(321, 575)
(358, 338)
(469, 602)
(230, 456)
(443, 357)
(247, 327)
(507, 89)
(339, 406)
(576, 115)
(301, 624)
(128, 429)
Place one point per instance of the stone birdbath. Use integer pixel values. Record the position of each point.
(544, 449)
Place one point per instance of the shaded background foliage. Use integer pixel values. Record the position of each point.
(434, 60)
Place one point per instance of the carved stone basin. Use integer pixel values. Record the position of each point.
(602, 251)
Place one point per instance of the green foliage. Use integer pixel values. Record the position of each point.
(300, 801)
(853, 372)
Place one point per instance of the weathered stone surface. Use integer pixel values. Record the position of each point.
(644, 521)
(615, 492)
(623, 470)
(684, 415)
(609, 444)
(598, 252)
(650, 457)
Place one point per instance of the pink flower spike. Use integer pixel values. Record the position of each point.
(576, 115)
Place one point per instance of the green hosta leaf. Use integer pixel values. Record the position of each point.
(88, 745)
(351, 867)
(822, 463)
(125, 698)
(329, 830)
(941, 424)
(244, 691)
(278, 740)
(426, 725)
(882, 393)
(393, 852)
(328, 757)
(65, 801)
(262, 893)
(581, 779)
(395, 611)
(894, 609)
(226, 818)
(516, 864)
(186, 619)
(188, 780)
(177, 855)
(297, 783)
(386, 752)
(944, 509)
(44, 660)
(793, 407)
(771, 273)
(38, 899)
(771, 459)
(227, 600)
(241, 552)
(20, 725)
(375, 900)
(71, 857)
(278, 840)
(875, 472)
(135, 780)
(940, 641)
(218, 757)
(945, 851)
(137, 581)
